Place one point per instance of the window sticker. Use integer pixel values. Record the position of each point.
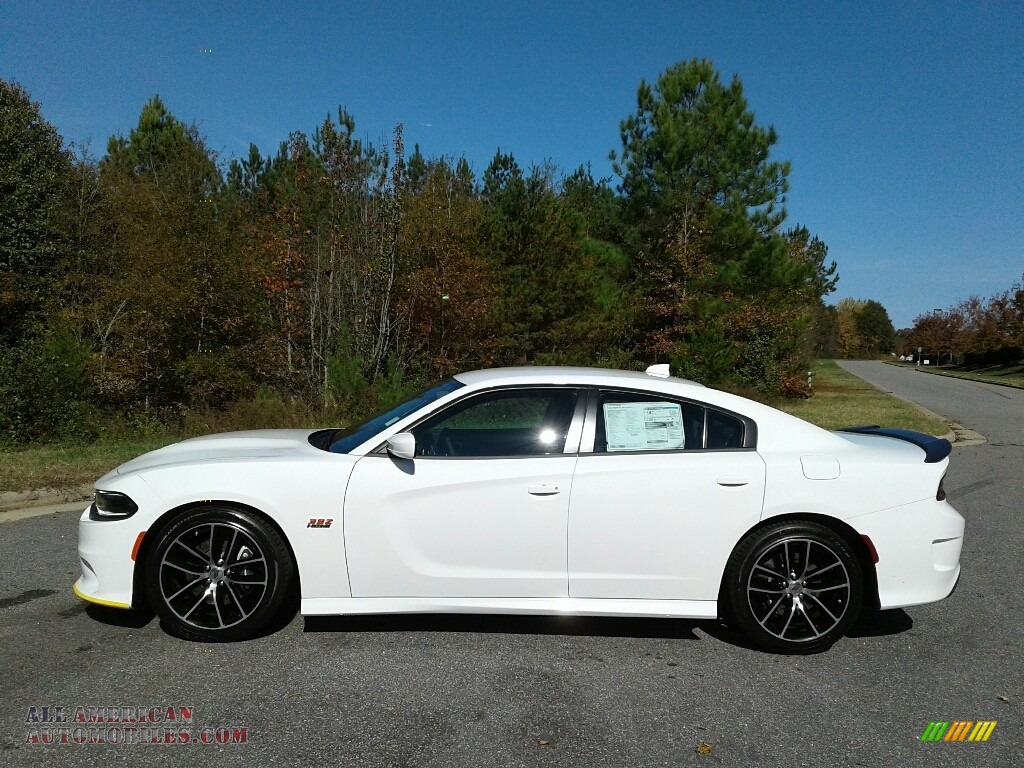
(643, 426)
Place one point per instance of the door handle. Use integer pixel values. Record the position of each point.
(732, 481)
(543, 490)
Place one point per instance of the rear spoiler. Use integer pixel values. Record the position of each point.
(935, 448)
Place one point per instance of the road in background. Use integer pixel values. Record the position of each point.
(997, 412)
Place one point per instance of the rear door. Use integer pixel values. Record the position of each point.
(663, 490)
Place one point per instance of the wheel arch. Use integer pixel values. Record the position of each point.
(837, 526)
(152, 534)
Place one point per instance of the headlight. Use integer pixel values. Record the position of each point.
(111, 505)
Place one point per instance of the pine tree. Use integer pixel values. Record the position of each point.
(703, 204)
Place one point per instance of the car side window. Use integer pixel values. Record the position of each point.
(511, 422)
(634, 422)
(724, 431)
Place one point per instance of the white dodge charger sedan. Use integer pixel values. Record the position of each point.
(537, 490)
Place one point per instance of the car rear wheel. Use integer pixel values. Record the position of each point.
(794, 587)
(218, 574)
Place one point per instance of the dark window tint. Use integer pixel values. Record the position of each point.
(724, 431)
(515, 422)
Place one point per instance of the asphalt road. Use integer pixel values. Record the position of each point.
(997, 412)
(501, 691)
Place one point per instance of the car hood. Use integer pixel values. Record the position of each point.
(229, 446)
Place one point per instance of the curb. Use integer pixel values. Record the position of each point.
(40, 511)
(19, 500)
(966, 437)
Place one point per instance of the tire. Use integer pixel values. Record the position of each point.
(218, 574)
(794, 587)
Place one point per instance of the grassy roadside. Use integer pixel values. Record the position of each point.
(1007, 375)
(840, 400)
(66, 466)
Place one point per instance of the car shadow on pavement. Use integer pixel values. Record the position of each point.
(870, 624)
(582, 626)
(723, 632)
(881, 623)
(119, 617)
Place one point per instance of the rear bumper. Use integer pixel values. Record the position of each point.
(918, 549)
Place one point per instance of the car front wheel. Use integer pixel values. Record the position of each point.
(218, 574)
(794, 587)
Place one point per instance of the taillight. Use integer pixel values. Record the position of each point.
(940, 495)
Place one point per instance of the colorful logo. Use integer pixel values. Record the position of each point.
(958, 730)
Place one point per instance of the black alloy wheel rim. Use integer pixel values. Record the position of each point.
(214, 575)
(798, 590)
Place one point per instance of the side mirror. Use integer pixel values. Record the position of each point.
(402, 445)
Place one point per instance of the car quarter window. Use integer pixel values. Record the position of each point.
(637, 422)
(724, 431)
(508, 422)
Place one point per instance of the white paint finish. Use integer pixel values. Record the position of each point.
(450, 527)
(662, 370)
(402, 445)
(659, 525)
(564, 606)
(633, 533)
(870, 481)
(288, 491)
(255, 445)
(918, 549)
(819, 467)
(107, 546)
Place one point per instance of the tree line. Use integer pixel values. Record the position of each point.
(853, 329)
(974, 331)
(339, 273)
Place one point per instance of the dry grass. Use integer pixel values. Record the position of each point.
(65, 466)
(842, 400)
(68, 465)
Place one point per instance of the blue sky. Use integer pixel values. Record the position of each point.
(903, 121)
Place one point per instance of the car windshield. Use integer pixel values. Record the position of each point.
(347, 439)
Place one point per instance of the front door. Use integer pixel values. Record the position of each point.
(481, 511)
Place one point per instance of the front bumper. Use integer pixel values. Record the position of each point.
(105, 554)
(918, 549)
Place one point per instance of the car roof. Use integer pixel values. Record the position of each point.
(562, 374)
